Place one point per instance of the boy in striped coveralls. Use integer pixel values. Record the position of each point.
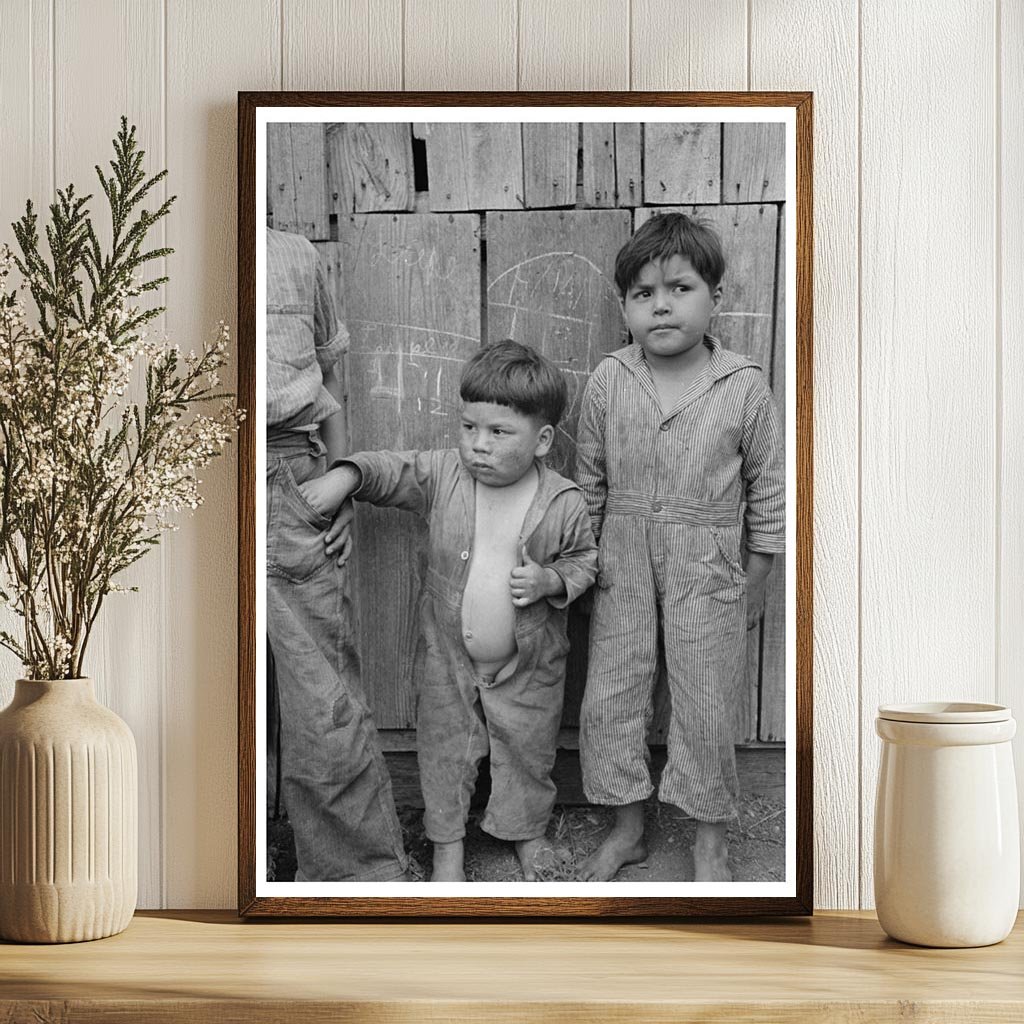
(679, 449)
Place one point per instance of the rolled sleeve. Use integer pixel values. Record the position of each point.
(764, 473)
(577, 560)
(330, 335)
(395, 479)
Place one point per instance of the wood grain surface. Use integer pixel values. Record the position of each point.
(207, 967)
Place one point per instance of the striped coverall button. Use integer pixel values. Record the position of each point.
(664, 426)
(656, 507)
(464, 555)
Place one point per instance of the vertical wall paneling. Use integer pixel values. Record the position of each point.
(26, 107)
(1010, 260)
(928, 516)
(213, 50)
(575, 44)
(127, 666)
(814, 46)
(910, 458)
(345, 44)
(466, 45)
(701, 44)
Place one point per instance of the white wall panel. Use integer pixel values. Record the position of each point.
(677, 46)
(919, 401)
(928, 358)
(213, 51)
(465, 44)
(125, 653)
(26, 168)
(1009, 275)
(830, 71)
(574, 44)
(347, 44)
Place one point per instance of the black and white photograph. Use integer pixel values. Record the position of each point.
(525, 494)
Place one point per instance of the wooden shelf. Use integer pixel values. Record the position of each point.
(209, 967)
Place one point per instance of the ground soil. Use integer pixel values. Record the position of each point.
(756, 838)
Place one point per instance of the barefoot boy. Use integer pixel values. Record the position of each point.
(675, 434)
(510, 547)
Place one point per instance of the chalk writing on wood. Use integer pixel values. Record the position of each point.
(549, 284)
(682, 163)
(369, 167)
(296, 179)
(754, 162)
(474, 166)
(413, 313)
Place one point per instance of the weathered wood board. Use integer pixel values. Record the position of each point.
(369, 167)
(611, 165)
(753, 162)
(629, 183)
(474, 166)
(598, 165)
(682, 163)
(297, 179)
(412, 303)
(550, 153)
(746, 321)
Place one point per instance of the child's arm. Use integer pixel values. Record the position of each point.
(591, 472)
(571, 573)
(395, 479)
(764, 472)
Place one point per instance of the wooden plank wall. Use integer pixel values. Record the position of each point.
(516, 237)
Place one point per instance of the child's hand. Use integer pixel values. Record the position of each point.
(531, 581)
(758, 567)
(326, 493)
(339, 537)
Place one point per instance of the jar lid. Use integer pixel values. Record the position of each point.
(945, 712)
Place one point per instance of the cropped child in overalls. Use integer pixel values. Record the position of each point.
(510, 547)
(679, 448)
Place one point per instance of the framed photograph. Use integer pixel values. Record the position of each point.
(525, 497)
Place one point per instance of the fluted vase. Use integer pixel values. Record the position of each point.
(68, 815)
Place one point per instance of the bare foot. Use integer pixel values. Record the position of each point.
(448, 865)
(537, 855)
(623, 845)
(711, 853)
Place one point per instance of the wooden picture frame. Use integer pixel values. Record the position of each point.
(631, 151)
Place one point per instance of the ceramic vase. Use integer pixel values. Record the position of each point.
(68, 815)
(947, 848)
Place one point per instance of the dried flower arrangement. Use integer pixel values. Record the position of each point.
(89, 477)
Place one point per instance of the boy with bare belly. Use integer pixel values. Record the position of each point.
(510, 548)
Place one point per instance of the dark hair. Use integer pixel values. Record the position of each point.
(664, 236)
(517, 376)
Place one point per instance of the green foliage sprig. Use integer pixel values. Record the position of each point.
(88, 477)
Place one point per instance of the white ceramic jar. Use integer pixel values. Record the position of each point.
(947, 848)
